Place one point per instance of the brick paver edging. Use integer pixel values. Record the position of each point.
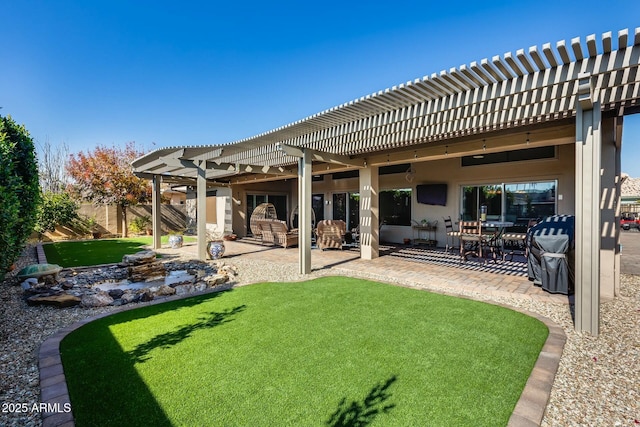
(532, 404)
(529, 410)
(42, 258)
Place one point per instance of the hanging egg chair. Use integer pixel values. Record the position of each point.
(293, 219)
(262, 211)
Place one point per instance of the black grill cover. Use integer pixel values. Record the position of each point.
(550, 260)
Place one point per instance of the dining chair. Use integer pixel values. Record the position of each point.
(471, 239)
(450, 232)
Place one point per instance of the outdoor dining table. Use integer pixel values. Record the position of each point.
(496, 224)
(497, 231)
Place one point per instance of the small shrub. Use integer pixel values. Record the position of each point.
(56, 209)
(140, 224)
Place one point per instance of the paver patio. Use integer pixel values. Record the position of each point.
(413, 266)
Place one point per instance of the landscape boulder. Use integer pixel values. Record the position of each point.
(146, 272)
(59, 301)
(216, 279)
(142, 257)
(100, 299)
(39, 270)
(164, 291)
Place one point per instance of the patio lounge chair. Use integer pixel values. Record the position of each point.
(282, 236)
(277, 233)
(331, 233)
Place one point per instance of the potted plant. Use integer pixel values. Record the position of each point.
(140, 224)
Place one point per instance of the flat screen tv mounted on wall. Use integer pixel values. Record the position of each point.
(432, 194)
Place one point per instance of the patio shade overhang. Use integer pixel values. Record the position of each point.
(554, 95)
(512, 93)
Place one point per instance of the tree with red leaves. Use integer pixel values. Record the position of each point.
(105, 176)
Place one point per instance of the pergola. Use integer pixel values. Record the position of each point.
(571, 93)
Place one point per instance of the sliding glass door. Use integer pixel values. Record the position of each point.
(279, 201)
(513, 202)
(346, 207)
(473, 197)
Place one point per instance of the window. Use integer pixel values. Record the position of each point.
(475, 196)
(395, 207)
(345, 174)
(317, 204)
(340, 206)
(391, 169)
(530, 200)
(346, 206)
(513, 202)
(510, 156)
(354, 210)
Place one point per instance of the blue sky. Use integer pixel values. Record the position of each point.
(90, 73)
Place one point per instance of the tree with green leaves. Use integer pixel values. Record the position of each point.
(56, 209)
(105, 176)
(19, 190)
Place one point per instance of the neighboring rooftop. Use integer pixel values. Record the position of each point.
(630, 187)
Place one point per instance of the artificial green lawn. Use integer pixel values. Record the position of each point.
(95, 252)
(332, 351)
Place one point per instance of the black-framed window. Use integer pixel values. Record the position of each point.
(346, 207)
(535, 153)
(317, 204)
(513, 202)
(395, 207)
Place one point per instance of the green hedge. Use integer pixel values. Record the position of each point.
(19, 190)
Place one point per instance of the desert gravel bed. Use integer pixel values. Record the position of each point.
(596, 384)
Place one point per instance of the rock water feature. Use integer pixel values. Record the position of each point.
(138, 278)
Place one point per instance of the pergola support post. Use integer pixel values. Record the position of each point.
(201, 213)
(618, 185)
(369, 213)
(588, 194)
(305, 172)
(156, 211)
(609, 211)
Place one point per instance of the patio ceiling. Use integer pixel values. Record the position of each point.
(504, 95)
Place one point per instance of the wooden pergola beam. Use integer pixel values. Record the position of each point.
(320, 156)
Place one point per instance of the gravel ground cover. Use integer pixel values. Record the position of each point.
(596, 384)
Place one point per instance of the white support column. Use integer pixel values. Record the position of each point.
(618, 143)
(156, 211)
(224, 214)
(305, 172)
(202, 211)
(609, 202)
(369, 213)
(587, 232)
